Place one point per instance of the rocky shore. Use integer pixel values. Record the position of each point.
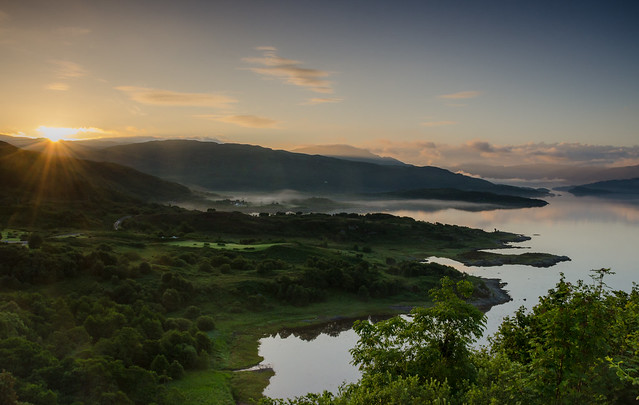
(496, 295)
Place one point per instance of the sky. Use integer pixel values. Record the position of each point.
(426, 82)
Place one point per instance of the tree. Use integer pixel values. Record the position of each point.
(580, 344)
(171, 299)
(159, 364)
(434, 344)
(205, 323)
(35, 241)
(566, 338)
(176, 371)
(8, 395)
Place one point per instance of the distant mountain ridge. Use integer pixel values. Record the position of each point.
(566, 174)
(236, 167)
(27, 175)
(611, 188)
(348, 152)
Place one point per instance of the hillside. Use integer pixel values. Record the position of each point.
(555, 173)
(235, 167)
(30, 175)
(611, 188)
(348, 152)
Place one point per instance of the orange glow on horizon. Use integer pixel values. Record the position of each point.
(56, 134)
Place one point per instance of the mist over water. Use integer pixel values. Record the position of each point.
(594, 233)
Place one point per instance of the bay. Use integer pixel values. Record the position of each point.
(595, 233)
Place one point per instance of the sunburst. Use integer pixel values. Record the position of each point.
(50, 175)
(55, 134)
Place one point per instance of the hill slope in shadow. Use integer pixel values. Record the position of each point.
(235, 167)
(28, 175)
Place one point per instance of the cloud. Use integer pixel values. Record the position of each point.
(322, 100)
(3, 16)
(460, 95)
(160, 97)
(483, 152)
(57, 86)
(248, 121)
(289, 71)
(68, 70)
(73, 31)
(438, 123)
(481, 146)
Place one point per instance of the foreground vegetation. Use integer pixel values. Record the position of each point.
(578, 345)
(166, 307)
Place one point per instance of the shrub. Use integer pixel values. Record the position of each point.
(205, 323)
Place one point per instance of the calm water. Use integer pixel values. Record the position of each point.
(594, 233)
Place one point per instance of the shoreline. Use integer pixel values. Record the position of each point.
(336, 324)
(498, 295)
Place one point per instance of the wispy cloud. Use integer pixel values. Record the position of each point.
(248, 121)
(58, 86)
(73, 31)
(65, 69)
(266, 48)
(322, 100)
(460, 95)
(160, 97)
(290, 71)
(438, 123)
(3, 16)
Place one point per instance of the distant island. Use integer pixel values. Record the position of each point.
(610, 188)
(478, 197)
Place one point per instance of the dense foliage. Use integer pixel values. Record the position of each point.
(107, 344)
(114, 317)
(578, 345)
(90, 314)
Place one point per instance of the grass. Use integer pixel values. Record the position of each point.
(205, 387)
(244, 330)
(12, 235)
(223, 246)
(247, 386)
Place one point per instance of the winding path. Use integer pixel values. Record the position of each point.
(116, 224)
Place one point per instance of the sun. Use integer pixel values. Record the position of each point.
(55, 134)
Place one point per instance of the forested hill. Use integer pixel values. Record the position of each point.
(607, 188)
(253, 168)
(27, 175)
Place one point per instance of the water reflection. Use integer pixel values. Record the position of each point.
(313, 365)
(594, 233)
(332, 328)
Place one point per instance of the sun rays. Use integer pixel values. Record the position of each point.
(47, 176)
(56, 134)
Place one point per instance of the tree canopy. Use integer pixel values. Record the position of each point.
(579, 344)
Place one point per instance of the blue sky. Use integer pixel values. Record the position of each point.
(428, 82)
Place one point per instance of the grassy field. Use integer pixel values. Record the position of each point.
(206, 387)
(222, 245)
(13, 235)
